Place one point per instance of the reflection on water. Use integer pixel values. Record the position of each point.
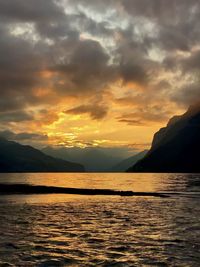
(149, 182)
(61, 230)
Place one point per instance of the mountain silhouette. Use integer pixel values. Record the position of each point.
(93, 159)
(15, 157)
(176, 147)
(127, 163)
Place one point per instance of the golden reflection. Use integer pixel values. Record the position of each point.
(113, 181)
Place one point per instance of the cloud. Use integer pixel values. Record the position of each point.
(188, 95)
(17, 116)
(20, 67)
(23, 136)
(131, 55)
(133, 73)
(145, 116)
(131, 122)
(96, 112)
(192, 63)
(32, 10)
(84, 68)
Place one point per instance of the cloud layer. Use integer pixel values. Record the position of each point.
(132, 63)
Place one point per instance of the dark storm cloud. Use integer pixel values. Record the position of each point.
(56, 30)
(82, 66)
(159, 8)
(192, 63)
(20, 64)
(85, 70)
(7, 103)
(31, 10)
(176, 22)
(23, 59)
(22, 136)
(47, 17)
(174, 39)
(189, 67)
(86, 49)
(96, 112)
(16, 116)
(188, 95)
(133, 73)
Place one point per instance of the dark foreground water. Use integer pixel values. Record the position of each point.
(73, 230)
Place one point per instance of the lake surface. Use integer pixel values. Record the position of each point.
(73, 230)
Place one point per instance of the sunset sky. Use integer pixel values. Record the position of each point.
(96, 72)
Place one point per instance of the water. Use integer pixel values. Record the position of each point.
(72, 230)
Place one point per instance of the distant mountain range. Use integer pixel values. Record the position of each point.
(127, 163)
(15, 157)
(175, 148)
(93, 159)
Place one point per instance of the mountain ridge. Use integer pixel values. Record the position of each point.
(15, 157)
(94, 159)
(176, 147)
(126, 163)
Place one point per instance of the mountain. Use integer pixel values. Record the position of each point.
(127, 163)
(93, 159)
(15, 157)
(175, 148)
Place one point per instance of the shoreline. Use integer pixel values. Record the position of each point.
(25, 189)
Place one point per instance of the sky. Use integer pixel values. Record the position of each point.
(105, 73)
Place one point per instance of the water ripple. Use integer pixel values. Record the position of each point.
(112, 232)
